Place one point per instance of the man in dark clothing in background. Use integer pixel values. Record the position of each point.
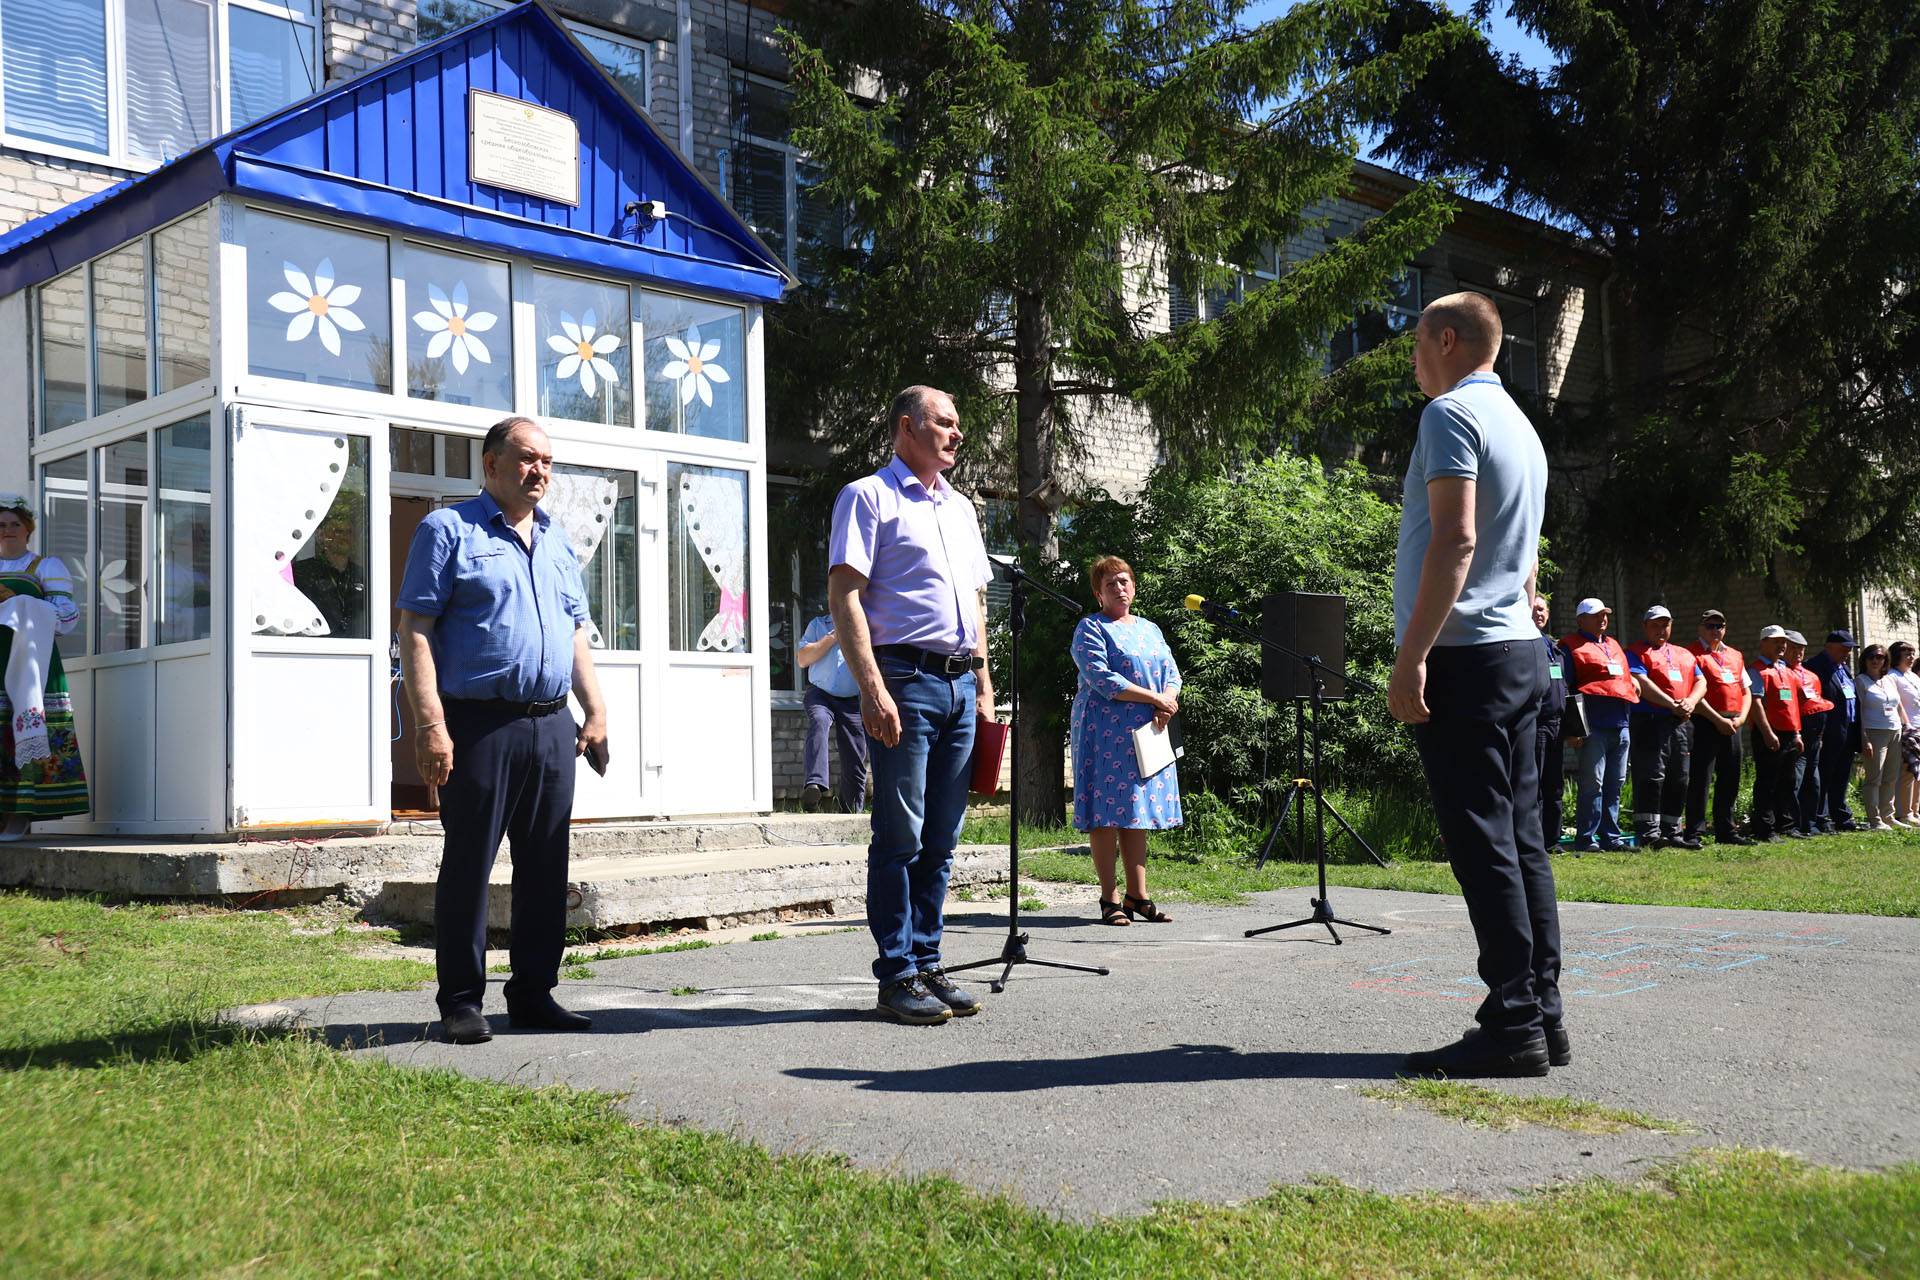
(1840, 737)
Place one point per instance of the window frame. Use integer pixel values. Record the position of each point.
(578, 28)
(119, 153)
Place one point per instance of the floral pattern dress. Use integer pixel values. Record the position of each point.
(56, 786)
(1108, 790)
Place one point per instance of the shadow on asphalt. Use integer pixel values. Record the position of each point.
(1180, 1064)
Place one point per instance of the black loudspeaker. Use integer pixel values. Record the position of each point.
(1315, 625)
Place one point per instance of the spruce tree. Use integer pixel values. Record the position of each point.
(1021, 178)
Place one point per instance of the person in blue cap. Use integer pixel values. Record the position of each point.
(1840, 738)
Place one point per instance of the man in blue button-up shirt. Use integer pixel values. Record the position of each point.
(492, 640)
(1840, 741)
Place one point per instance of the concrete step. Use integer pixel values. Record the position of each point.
(705, 889)
(360, 866)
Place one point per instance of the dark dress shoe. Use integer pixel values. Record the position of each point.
(465, 1026)
(948, 992)
(909, 1001)
(813, 797)
(545, 1015)
(1479, 1054)
(1559, 1048)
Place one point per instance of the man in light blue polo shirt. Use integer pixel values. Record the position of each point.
(1470, 674)
(832, 705)
(907, 589)
(492, 640)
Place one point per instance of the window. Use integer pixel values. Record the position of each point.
(430, 453)
(581, 332)
(63, 351)
(120, 328)
(771, 184)
(184, 465)
(599, 509)
(1187, 302)
(1372, 328)
(706, 558)
(317, 304)
(695, 367)
(796, 579)
(1519, 363)
(133, 82)
(459, 330)
(65, 503)
(627, 62)
(119, 601)
(182, 283)
(300, 554)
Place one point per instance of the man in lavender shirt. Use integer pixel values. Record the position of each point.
(907, 591)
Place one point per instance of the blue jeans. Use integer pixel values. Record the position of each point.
(919, 802)
(1603, 771)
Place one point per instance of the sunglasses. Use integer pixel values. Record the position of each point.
(1714, 626)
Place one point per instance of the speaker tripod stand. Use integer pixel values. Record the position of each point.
(1013, 951)
(1308, 785)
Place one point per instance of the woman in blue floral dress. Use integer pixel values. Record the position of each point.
(1127, 678)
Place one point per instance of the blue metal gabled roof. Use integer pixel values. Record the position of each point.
(391, 147)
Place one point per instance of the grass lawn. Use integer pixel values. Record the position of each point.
(148, 1140)
(1859, 873)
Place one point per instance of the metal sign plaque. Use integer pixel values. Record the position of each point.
(522, 147)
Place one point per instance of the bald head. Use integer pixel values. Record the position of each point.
(1475, 322)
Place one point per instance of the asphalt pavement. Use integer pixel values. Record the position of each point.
(1209, 1066)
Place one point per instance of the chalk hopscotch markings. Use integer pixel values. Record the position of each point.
(1618, 962)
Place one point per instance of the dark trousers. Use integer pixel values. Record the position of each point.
(512, 776)
(1808, 800)
(1836, 769)
(1776, 783)
(1661, 749)
(826, 711)
(1550, 757)
(1716, 757)
(1478, 754)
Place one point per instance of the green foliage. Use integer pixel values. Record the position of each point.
(1285, 524)
(1752, 170)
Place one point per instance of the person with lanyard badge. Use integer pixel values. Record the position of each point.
(1671, 686)
(1813, 725)
(1717, 720)
(1882, 717)
(1841, 740)
(1906, 804)
(1549, 748)
(1776, 739)
(1598, 673)
(832, 704)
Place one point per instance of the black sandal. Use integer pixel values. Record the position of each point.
(1146, 910)
(1110, 913)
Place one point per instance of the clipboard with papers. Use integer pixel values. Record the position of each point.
(1154, 749)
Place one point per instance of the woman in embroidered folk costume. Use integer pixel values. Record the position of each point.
(40, 773)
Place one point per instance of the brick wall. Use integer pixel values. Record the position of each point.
(358, 34)
(31, 184)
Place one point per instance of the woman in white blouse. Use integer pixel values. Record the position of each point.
(1882, 717)
(1906, 810)
(40, 771)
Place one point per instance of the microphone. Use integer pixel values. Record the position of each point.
(1200, 604)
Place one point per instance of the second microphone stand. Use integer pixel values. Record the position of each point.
(1316, 671)
(1014, 950)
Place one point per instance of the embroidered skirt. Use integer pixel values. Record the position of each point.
(56, 786)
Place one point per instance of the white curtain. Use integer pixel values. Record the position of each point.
(715, 511)
(287, 500)
(582, 502)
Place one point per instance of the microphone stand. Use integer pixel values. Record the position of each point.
(1322, 905)
(1014, 950)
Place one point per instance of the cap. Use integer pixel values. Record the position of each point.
(1656, 611)
(1840, 637)
(1592, 605)
(1712, 615)
(1773, 631)
(1794, 637)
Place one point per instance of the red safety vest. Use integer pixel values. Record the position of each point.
(1599, 667)
(1779, 691)
(1671, 668)
(1726, 682)
(1811, 703)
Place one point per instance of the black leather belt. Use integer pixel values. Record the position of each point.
(941, 664)
(529, 710)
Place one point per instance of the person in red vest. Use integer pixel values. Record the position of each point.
(1598, 673)
(1717, 722)
(1661, 730)
(1814, 706)
(1776, 739)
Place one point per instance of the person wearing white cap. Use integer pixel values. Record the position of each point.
(1671, 686)
(1607, 690)
(1716, 734)
(1776, 739)
(1469, 675)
